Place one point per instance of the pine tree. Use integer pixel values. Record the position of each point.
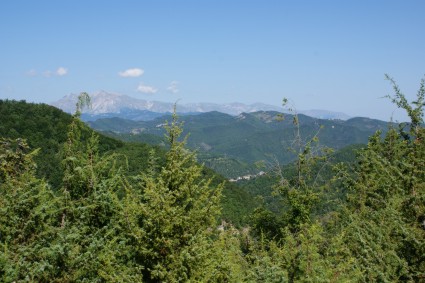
(384, 216)
(172, 214)
(28, 211)
(225, 259)
(89, 235)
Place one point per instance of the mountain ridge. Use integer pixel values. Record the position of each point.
(106, 104)
(248, 137)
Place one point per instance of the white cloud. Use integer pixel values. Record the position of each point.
(61, 71)
(173, 87)
(146, 89)
(135, 72)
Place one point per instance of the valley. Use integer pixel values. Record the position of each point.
(233, 145)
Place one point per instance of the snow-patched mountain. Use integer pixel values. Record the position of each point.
(104, 103)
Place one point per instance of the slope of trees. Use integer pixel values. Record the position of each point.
(163, 224)
(242, 137)
(45, 128)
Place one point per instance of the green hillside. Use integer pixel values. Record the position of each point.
(263, 186)
(249, 137)
(45, 127)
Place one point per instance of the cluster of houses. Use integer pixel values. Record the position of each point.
(247, 177)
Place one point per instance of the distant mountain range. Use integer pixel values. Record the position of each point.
(107, 105)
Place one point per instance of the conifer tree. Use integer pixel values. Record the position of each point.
(89, 222)
(225, 258)
(28, 212)
(172, 214)
(386, 203)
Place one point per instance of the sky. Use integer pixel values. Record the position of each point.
(329, 55)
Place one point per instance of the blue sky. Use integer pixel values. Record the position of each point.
(320, 54)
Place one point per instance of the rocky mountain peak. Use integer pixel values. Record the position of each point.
(104, 102)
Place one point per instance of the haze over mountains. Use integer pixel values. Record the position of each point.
(106, 104)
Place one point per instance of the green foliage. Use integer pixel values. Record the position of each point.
(227, 167)
(173, 212)
(265, 264)
(225, 259)
(150, 215)
(304, 258)
(249, 137)
(44, 127)
(73, 235)
(299, 191)
(414, 110)
(294, 241)
(27, 212)
(380, 229)
(236, 204)
(90, 218)
(83, 101)
(383, 219)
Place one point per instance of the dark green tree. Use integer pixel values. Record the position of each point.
(28, 213)
(89, 235)
(383, 224)
(172, 214)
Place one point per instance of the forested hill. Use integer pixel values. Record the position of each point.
(248, 137)
(45, 127)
